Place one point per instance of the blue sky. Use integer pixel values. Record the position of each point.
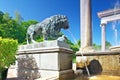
(41, 9)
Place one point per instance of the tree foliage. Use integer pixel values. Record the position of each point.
(8, 48)
(98, 47)
(18, 17)
(108, 44)
(74, 46)
(1, 16)
(14, 27)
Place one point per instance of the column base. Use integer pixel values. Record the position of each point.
(87, 49)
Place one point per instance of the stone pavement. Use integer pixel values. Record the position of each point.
(12, 74)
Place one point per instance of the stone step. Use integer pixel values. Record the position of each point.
(54, 77)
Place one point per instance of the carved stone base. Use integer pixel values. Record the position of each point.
(87, 49)
(56, 75)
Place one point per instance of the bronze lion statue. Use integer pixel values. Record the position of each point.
(48, 28)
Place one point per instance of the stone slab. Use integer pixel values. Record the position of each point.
(56, 75)
(56, 61)
(45, 44)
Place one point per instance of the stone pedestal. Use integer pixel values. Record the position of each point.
(45, 59)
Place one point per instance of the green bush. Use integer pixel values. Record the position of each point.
(8, 48)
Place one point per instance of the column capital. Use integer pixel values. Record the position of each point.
(103, 24)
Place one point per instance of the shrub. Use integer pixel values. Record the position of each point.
(8, 48)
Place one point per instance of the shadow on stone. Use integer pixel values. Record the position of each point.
(27, 68)
(82, 77)
(13, 79)
(94, 68)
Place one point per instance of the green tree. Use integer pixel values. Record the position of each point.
(96, 47)
(1, 16)
(108, 44)
(74, 46)
(14, 28)
(18, 17)
(6, 17)
(26, 24)
(11, 29)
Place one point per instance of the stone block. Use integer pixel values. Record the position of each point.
(56, 75)
(56, 61)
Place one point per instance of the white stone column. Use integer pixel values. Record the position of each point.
(82, 22)
(86, 27)
(103, 36)
(88, 24)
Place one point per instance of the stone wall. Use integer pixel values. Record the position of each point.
(109, 62)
